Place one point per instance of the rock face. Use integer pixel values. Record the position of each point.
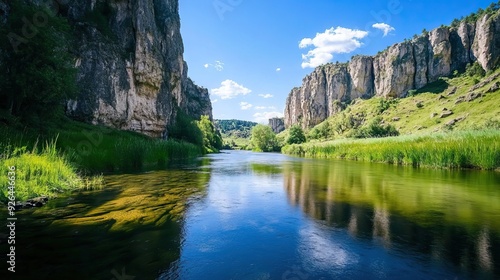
(392, 73)
(277, 124)
(131, 71)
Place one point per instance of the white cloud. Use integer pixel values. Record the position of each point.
(245, 105)
(265, 116)
(266, 95)
(218, 65)
(386, 28)
(215, 101)
(229, 89)
(264, 108)
(332, 41)
(278, 69)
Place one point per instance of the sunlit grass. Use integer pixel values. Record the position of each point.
(465, 149)
(41, 173)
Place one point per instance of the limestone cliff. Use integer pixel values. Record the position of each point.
(277, 124)
(392, 73)
(131, 71)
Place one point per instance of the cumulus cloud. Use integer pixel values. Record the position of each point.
(218, 65)
(278, 69)
(229, 89)
(265, 116)
(264, 108)
(245, 105)
(386, 28)
(266, 95)
(332, 41)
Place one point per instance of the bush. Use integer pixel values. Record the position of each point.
(475, 70)
(296, 135)
(263, 139)
(375, 129)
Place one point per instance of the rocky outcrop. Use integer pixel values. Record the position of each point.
(277, 124)
(392, 73)
(131, 71)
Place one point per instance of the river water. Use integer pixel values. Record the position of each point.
(244, 215)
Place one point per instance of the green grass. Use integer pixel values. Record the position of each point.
(76, 152)
(97, 149)
(464, 149)
(41, 173)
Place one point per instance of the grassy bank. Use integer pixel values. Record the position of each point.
(461, 149)
(43, 172)
(67, 155)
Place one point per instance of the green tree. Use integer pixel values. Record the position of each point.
(296, 135)
(186, 129)
(35, 61)
(263, 138)
(212, 140)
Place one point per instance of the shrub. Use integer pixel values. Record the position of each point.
(263, 139)
(296, 135)
(375, 129)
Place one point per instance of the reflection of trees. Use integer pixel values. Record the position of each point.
(432, 212)
(134, 223)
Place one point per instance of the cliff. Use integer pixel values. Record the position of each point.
(277, 124)
(392, 73)
(131, 71)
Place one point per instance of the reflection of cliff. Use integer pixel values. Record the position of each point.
(433, 212)
(123, 226)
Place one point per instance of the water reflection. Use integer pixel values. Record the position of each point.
(452, 216)
(133, 227)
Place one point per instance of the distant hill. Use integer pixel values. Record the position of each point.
(236, 128)
(235, 133)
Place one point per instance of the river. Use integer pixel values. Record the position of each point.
(245, 215)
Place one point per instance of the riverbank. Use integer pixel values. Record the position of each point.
(462, 149)
(67, 155)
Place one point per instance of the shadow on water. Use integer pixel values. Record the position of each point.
(132, 227)
(451, 216)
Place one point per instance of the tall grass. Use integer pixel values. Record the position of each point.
(133, 155)
(465, 149)
(43, 172)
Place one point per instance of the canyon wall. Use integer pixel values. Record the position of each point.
(393, 72)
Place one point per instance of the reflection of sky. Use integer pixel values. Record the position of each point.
(245, 228)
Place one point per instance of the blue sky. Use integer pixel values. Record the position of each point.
(251, 53)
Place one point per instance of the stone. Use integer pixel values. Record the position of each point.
(494, 87)
(446, 114)
(472, 96)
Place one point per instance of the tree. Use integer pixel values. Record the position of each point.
(212, 140)
(296, 135)
(263, 138)
(186, 129)
(37, 69)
